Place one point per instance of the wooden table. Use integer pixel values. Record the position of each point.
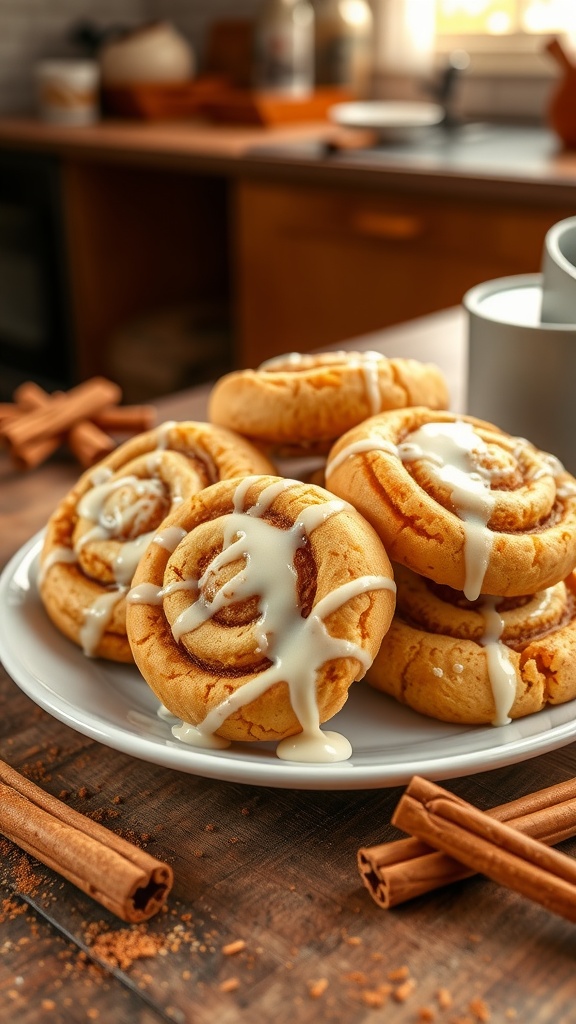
(275, 868)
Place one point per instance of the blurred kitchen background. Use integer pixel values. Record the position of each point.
(181, 228)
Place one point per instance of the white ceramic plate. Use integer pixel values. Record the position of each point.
(112, 704)
(390, 119)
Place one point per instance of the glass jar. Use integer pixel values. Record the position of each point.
(343, 43)
(284, 48)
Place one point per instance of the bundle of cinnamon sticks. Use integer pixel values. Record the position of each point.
(452, 839)
(36, 423)
(118, 875)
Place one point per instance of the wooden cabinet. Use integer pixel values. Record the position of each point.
(316, 264)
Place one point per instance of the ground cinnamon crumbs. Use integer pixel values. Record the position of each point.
(122, 947)
(479, 1010)
(444, 998)
(375, 997)
(233, 947)
(318, 988)
(426, 1014)
(402, 993)
(399, 974)
(9, 909)
(230, 985)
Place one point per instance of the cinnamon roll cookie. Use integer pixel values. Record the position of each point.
(254, 608)
(301, 403)
(100, 529)
(460, 501)
(480, 662)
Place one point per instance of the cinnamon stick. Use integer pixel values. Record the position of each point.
(89, 443)
(126, 419)
(399, 871)
(30, 396)
(62, 412)
(489, 846)
(124, 879)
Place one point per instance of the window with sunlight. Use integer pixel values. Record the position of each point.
(505, 17)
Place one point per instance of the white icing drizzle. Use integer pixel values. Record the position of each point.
(164, 715)
(100, 474)
(366, 444)
(117, 525)
(437, 671)
(170, 537)
(367, 362)
(297, 647)
(161, 432)
(97, 617)
(149, 593)
(57, 554)
(450, 449)
(501, 671)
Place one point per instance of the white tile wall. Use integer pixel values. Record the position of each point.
(31, 30)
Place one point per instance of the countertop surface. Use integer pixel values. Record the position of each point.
(505, 159)
(271, 871)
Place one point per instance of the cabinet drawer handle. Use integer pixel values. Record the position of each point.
(393, 226)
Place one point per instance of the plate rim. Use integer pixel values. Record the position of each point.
(424, 114)
(233, 766)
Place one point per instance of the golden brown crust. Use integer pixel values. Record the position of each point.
(434, 660)
(304, 402)
(178, 459)
(532, 525)
(194, 674)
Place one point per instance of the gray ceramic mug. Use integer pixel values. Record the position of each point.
(521, 372)
(559, 273)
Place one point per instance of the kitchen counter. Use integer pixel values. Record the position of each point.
(473, 158)
(268, 920)
(298, 241)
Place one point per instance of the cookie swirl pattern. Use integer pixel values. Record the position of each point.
(304, 402)
(481, 662)
(99, 531)
(460, 501)
(255, 607)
